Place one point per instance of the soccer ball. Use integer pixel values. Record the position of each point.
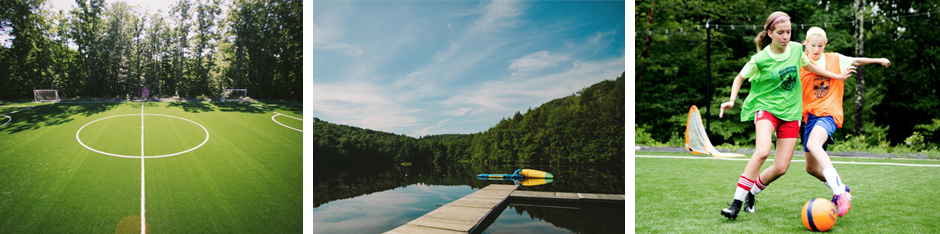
(819, 214)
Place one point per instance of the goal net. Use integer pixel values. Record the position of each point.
(46, 95)
(697, 141)
(234, 94)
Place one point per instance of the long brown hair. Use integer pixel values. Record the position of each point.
(762, 39)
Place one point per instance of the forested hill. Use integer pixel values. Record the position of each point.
(583, 128)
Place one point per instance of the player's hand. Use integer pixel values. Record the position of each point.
(847, 73)
(725, 106)
(885, 62)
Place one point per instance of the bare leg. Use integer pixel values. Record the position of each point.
(816, 153)
(781, 160)
(812, 167)
(764, 133)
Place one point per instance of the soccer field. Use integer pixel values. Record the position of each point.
(682, 193)
(206, 168)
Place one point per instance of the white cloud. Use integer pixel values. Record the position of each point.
(519, 94)
(362, 105)
(460, 111)
(535, 61)
(326, 39)
(497, 15)
(427, 130)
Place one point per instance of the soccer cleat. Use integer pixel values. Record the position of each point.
(732, 211)
(844, 202)
(749, 203)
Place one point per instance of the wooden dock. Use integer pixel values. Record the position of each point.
(575, 200)
(593, 198)
(462, 215)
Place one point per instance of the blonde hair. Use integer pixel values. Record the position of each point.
(762, 39)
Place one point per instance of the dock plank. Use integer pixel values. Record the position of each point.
(461, 215)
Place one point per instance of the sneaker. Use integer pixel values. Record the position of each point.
(843, 201)
(749, 203)
(732, 211)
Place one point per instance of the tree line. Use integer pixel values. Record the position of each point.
(115, 50)
(583, 128)
(899, 102)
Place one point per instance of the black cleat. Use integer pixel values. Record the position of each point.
(749, 203)
(732, 211)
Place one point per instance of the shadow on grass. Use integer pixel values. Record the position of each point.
(49, 115)
(193, 106)
(237, 107)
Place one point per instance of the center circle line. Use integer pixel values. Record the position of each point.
(126, 156)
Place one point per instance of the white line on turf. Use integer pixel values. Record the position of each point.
(143, 223)
(126, 156)
(272, 118)
(771, 160)
(10, 119)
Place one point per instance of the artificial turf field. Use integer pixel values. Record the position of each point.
(246, 177)
(685, 195)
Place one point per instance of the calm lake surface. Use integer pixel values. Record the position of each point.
(375, 199)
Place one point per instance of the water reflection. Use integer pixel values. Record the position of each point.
(383, 211)
(378, 198)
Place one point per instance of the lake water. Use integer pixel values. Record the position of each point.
(376, 199)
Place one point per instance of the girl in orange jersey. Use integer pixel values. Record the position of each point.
(774, 103)
(822, 112)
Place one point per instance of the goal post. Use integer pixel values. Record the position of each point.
(45, 95)
(696, 140)
(234, 95)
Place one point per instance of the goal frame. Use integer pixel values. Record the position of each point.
(696, 138)
(241, 99)
(38, 98)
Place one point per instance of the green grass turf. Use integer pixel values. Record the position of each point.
(246, 179)
(677, 195)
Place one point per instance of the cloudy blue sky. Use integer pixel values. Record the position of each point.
(436, 67)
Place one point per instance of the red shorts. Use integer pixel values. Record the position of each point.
(784, 129)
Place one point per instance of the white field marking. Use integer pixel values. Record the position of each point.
(770, 159)
(272, 118)
(127, 156)
(10, 119)
(143, 223)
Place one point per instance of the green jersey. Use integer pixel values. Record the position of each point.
(778, 88)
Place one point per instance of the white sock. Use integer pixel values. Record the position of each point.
(740, 194)
(826, 184)
(833, 180)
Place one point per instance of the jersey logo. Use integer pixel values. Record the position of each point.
(788, 77)
(820, 86)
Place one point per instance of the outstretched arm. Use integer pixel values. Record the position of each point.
(862, 61)
(820, 71)
(738, 80)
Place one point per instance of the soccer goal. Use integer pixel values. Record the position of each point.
(234, 95)
(46, 95)
(697, 141)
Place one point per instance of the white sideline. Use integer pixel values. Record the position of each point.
(272, 118)
(771, 160)
(10, 119)
(143, 223)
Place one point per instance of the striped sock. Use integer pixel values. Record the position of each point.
(758, 186)
(744, 185)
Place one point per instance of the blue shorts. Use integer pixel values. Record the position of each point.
(827, 122)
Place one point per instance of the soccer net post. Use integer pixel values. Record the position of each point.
(46, 95)
(234, 95)
(696, 140)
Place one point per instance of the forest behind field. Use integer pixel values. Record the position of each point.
(114, 49)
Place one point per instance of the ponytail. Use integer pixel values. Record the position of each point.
(762, 39)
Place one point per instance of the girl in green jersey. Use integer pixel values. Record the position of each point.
(774, 103)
